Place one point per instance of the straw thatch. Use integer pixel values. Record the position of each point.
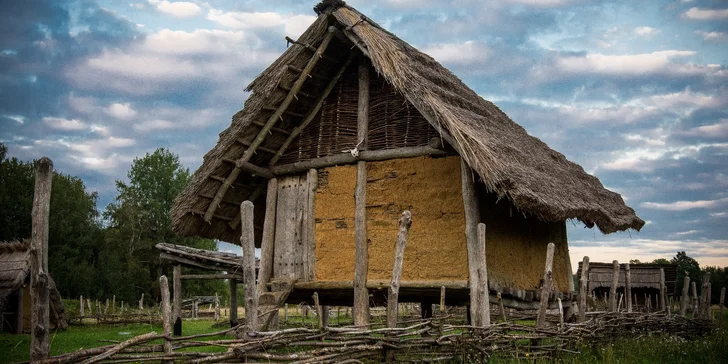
(14, 272)
(510, 163)
(641, 275)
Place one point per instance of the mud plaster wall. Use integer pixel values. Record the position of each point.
(428, 187)
(516, 246)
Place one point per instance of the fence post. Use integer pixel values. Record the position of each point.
(166, 317)
(405, 221)
(442, 299)
(483, 290)
(703, 310)
(247, 240)
(546, 289)
(684, 297)
(39, 291)
(141, 303)
(81, 307)
(583, 287)
(628, 287)
(722, 300)
(177, 299)
(615, 283)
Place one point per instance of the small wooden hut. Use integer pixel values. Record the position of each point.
(645, 279)
(15, 307)
(351, 126)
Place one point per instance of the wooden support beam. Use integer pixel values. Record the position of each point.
(257, 192)
(298, 70)
(215, 216)
(613, 289)
(442, 299)
(233, 302)
(247, 241)
(662, 290)
(197, 263)
(221, 180)
(265, 272)
(583, 289)
(265, 129)
(628, 287)
(289, 113)
(313, 111)
(547, 287)
(378, 284)
(348, 158)
(211, 276)
(166, 317)
(229, 202)
(308, 227)
(313, 49)
(261, 148)
(684, 298)
(274, 129)
(405, 221)
(483, 293)
(361, 293)
(299, 93)
(356, 41)
(248, 167)
(39, 279)
(472, 218)
(319, 313)
(177, 299)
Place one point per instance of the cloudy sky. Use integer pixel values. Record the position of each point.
(634, 91)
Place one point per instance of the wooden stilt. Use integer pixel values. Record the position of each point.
(265, 272)
(583, 285)
(722, 301)
(426, 309)
(502, 309)
(361, 293)
(233, 303)
(613, 289)
(547, 286)
(483, 291)
(113, 304)
(247, 241)
(442, 299)
(141, 302)
(39, 285)
(405, 221)
(217, 307)
(166, 316)
(472, 218)
(81, 303)
(561, 312)
(177, 299)
(628, 287)
(662, 290)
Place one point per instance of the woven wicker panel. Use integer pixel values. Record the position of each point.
(393, 122)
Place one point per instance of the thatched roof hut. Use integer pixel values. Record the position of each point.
(351, 117)
(15, 279)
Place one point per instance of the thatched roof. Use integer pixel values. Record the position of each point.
(204, 259)
(14, 271)
(641, 275)
(510, 163)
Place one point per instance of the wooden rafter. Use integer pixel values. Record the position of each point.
(252, 198)
(267, 127)
(312, 114)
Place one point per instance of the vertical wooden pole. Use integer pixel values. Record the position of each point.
(166, 316)
(141, 303)
(309, 227)
(265, 272)
(694, 288)
(684, 297)
(483, 291)
(708, 308)
(561, 312)
(217, 307)
(405, 221)
(39, 291)
(722, 301)
(502, 309)
(325, 316)
(628, 287)
(546, 289)
(662, 289)
(319, 313)
(247, 240)
(177, 299)
(113, 304)
(472, 218)
(583, 286)
(233, 303)
(81, 307)
(442, 299)
(361, 294)
(19, 313)
(106, 309)
(285, 313)
(613, 289)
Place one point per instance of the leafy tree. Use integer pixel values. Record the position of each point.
(718, 280)
(139, 218)
(3, 151)
(634, 261)
(660, 261)
(686, 266)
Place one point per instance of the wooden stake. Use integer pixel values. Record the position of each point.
(708, 308)
(662, 289)
(722, 301)
(113, 304)
(583, 286)
(702, 311)
(483, 291)
(217, 308)
(319, 314)
(141, 303)
(247, 240)
(265, 272)
(405, 221)
(628, 287)
(684, 297)
(502, 309)
(442, 299)
(695, 306)
(177, 299)
(233, 303)
(166, 316)
(81, 306)
(546, 289)
(39, 290)
(561, 312)
(472, 218)
(613, 289)
(361, 293)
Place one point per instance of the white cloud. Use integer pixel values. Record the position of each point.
(718, 130)
(293, 25)
(458, 53)
(646, 32)
(541, 3)
(121, 111)
(706, 14)
(179, 9)
(632, 64)
(712, 36)
(686, 205)
(152, 125)
(65, 124)
(198, 42)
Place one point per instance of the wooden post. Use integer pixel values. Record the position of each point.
(81, 307)
(502, 309)
(106, 308)
(217, 307)
(361, 294)
(662, 289)
(405, 221)
(285, 313)
(561, 312)
(694, 287)
(325, 316)
(247, 240)
(483, 291)
(708, 308)
(39, 291)
(319, 313)
(703, 293)
(166, 316)
(19, 313)
(722, 301)
(472, 218)
(583, 286)
(684, 297)
(88, 304)
(141, 303)
(265, 272)
(546, 289)
(233, 303)
(628, 287)
(442, 299)
(177, 299)
(113, 304)
(613, 289)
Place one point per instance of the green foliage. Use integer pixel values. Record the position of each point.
(138, 219)
(660, 261)
(634, 261)
(686, 266)
(718, 280)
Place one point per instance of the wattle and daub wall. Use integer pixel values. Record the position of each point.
(436, 251)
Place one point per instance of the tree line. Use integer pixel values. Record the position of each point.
(96, 253)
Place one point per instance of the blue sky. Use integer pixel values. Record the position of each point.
(634, 91)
